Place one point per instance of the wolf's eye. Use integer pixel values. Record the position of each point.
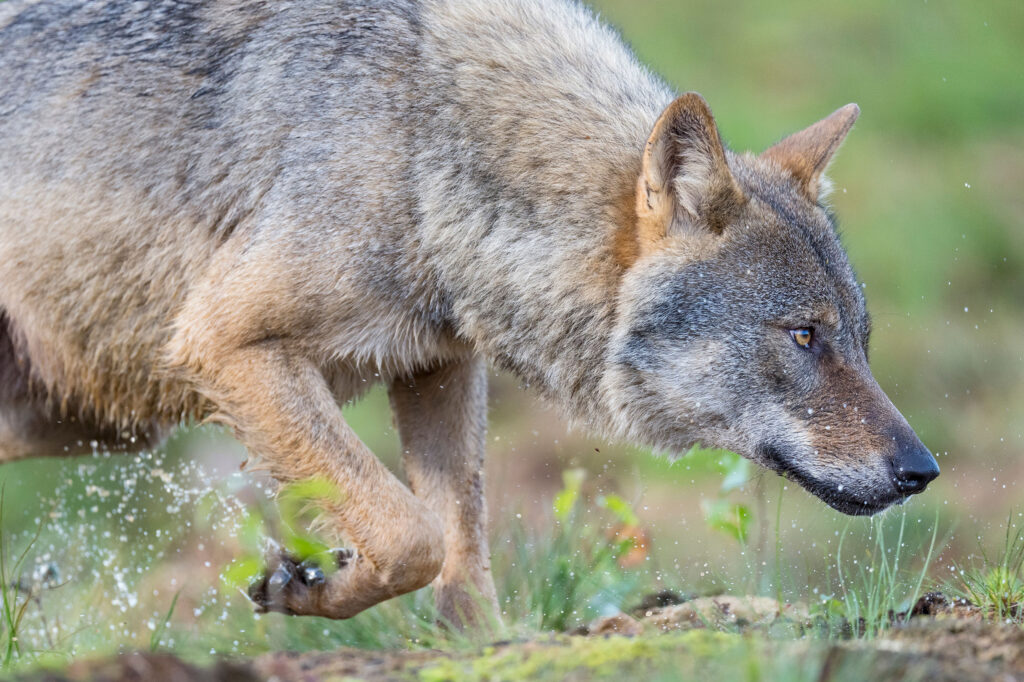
(802, 337)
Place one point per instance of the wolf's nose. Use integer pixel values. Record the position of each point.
(914, 468)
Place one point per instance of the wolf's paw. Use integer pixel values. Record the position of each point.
(295, 587)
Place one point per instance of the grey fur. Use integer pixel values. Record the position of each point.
(382, 189)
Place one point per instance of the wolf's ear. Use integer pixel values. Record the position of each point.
(806, 154)
(685, 182)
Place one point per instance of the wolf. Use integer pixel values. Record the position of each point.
(248, 212)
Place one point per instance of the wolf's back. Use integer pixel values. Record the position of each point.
(403, 152)
(139, 138)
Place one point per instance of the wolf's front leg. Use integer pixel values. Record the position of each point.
(284, 412)
(442, 419)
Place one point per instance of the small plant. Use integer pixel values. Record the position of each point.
(997, 586)
(721, 514)
(558, 577)
(161, 627)
(15, 598)
(731, 518)
(883, 588)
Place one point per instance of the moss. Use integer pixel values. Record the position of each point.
(598, 657)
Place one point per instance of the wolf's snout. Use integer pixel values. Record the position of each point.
(913, 467)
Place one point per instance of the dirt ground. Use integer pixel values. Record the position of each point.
(941, 641)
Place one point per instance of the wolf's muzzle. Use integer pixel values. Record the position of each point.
(913, 466)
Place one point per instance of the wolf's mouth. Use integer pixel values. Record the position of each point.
(850, 505)
(830, 493)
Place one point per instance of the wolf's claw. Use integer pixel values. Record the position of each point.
(343, 556)
(279, 578)
(311, 574)
(288, 580)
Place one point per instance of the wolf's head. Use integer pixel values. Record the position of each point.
(742, 324)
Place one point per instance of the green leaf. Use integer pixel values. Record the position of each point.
(297, 498)
(730, 518)
(305, 547)
(565, 500)
(313, 488)
(240, 572)
(205, 507)
(250, 531)
(736, 470)
(710, 461)
(622, 510)
(834, 608)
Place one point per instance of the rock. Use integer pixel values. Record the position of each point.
(725, 612)
(938, 605)
(657, 600)
(619, 624)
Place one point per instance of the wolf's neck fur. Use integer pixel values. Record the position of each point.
(528, 203)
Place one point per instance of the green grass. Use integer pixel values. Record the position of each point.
(559, 576)
(881, 588)
(551, 578)
(13, 602)
(995, 584)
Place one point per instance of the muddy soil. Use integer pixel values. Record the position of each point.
(941, 641)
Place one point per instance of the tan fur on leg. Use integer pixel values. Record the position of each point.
(442, 418)
(282, 409)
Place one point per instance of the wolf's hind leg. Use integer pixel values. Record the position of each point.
(283, 411)
(29, 426)
(442, 418)
(29, 429)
